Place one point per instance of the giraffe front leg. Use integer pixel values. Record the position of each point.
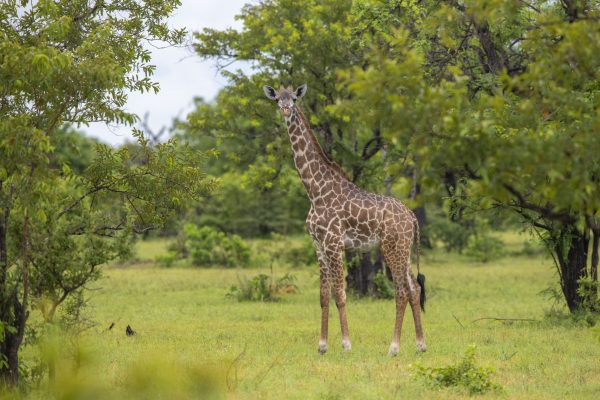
(324, 297)
(325, 293)
(337, 276)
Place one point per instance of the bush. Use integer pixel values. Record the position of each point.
(262, 288)
(167, 260)
(588, 290)
(484, 247)
(208, 247)
(283, 251)
(465, 374)
(296, 253)
(242, 206)
(383, 286)
(454, 236)
(532, 248)
(469, 236)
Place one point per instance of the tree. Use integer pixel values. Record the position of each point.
(500, 101)
(73, 62)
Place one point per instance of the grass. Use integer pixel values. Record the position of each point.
(269, 350)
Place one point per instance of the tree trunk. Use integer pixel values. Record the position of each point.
(571, 250)
(8, 371)
(12, 312)
(9, 349)
(420, 213)
(4, 213)
(594, 262)
(362, 268)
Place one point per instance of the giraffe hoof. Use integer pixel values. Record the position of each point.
(393, 349)
(421, 347)
(346, 345)
(322, 348)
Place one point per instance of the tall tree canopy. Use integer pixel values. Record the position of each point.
(73, 62)
(501, 102)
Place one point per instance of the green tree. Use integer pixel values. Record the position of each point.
(73, 62)
(500, 101)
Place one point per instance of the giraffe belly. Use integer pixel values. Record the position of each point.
(359, 241)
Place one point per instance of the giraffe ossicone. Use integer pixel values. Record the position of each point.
(342, 216)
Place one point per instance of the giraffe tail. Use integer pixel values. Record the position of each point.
(420, 276)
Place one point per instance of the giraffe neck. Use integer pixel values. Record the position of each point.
(318, 174)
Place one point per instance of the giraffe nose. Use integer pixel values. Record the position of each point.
(286, 111)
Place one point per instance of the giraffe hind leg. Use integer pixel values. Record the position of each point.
(415, 305)
(397, 263)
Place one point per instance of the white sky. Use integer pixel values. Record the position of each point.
(180, 73)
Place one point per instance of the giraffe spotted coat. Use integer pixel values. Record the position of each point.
(342, 216)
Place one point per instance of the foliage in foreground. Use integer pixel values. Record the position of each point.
(149, 376)
(262, 288)
(464, 375)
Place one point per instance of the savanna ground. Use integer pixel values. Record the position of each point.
(192, 341)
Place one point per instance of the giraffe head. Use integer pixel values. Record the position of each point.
(285, 97)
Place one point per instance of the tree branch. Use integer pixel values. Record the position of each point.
(89, 12)
(505, 319)
(546, 212)
(80, 199)
(368, 150)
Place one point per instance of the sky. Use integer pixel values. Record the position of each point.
(180, 74)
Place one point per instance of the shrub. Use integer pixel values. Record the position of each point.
(296, 253)
(167, 260)
(588, 290)
(483, 247)
(208, 247)
(384, 288)
(465, 374)
(454, 236)
(532, 248)
(282, 251)
(262, 288)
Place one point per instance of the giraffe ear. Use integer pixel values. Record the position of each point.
(301, 91)
(270, 92)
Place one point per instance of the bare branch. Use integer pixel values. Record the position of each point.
(505, 319)
(89, 12)
(80, 199)
(529, 5)
(547, 212)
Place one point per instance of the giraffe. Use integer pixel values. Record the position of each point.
(342, 216)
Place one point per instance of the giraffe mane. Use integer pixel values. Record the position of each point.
(335, 166)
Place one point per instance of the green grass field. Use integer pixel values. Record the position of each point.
(191, 341)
